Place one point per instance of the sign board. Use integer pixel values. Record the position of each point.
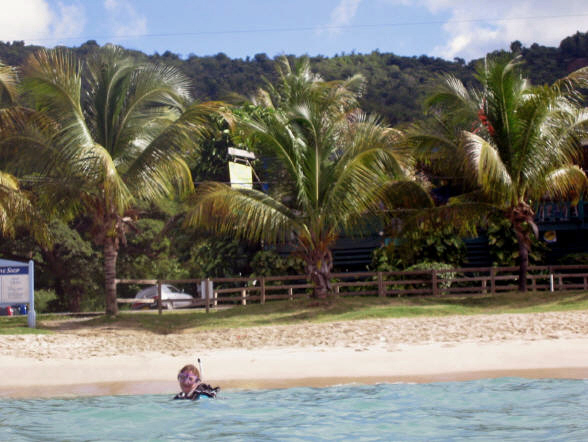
(241, 175)
(14, 285)
(17, 281)
(241, 153)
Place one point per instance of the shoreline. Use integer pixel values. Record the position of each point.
(268, 368)
(170, 388)
(86, 361)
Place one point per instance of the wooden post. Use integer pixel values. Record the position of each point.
(159, 307)
(484, 284)
(262, 298)
(493, 280)
(290, 293)
(244, 297)
(434, 282)
(381, 289)
(207, 292)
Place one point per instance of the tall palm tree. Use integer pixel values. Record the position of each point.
(515, 142)
(337, 161)
(16, 208)
(107, 133)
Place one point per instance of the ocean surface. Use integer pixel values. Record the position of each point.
(484, 410)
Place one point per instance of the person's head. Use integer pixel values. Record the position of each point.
(188, 377)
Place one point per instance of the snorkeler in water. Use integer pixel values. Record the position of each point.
(191, 385)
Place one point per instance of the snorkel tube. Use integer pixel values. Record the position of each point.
(200, 369)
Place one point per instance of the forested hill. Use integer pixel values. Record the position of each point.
(396, 85)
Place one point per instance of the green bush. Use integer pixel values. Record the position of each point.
(504, 247)
(574, 259)
(444, 279)
(437, 243)
(43, 300)
(269, 263)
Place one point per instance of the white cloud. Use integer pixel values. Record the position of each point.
(543, 22)
(124, 20)
(476, 27)
(343, 14)
(35, 22)
(70, 20)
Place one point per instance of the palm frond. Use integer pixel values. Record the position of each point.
(372, 159)
(160, 169)
(452, 96)
(464, 219)
(566, 182)
(272, 133)
(406, 194)
(572, 84)
(243, 213)
(16, 210)
(488, 168)
(8, 85)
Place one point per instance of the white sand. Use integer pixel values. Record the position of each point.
(114, 361)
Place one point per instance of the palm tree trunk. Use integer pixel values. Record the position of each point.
(523, 265)
(318, 268)
(521, 216)
(110, 257)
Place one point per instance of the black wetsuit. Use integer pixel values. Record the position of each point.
(201, 390)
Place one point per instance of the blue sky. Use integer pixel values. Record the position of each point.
(240, 28)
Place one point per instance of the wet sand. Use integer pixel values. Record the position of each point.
(90, 361)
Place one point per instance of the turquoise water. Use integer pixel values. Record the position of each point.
(485, 410)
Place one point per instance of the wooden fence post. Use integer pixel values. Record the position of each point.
(207, 293)
(159, 307)
(434, 282)
(244, 297)
(493, 280)
(290, 293)
(262, 298)
(381, 288)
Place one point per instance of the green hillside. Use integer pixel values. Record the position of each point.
(396, 85)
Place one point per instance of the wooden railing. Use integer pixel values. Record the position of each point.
(463, 281)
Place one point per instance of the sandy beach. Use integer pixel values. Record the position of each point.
(88, 361)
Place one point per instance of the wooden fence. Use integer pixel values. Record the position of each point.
(215, 292)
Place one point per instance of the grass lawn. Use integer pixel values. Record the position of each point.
(333, 309)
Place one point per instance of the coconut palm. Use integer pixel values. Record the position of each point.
(8, 93)
(337, 162)
(16, 208)
(108, 133)
(515, 142)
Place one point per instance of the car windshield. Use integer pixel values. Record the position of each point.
(173, 289)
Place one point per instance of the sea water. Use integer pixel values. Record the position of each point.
(485, 410)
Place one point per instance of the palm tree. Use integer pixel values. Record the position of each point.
(337, 162)
(16, 208)
(515, 142)
(8, 93)
(108, 133)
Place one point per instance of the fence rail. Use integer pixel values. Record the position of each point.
(215, 292)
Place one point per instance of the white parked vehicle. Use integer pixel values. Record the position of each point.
(171, 297)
